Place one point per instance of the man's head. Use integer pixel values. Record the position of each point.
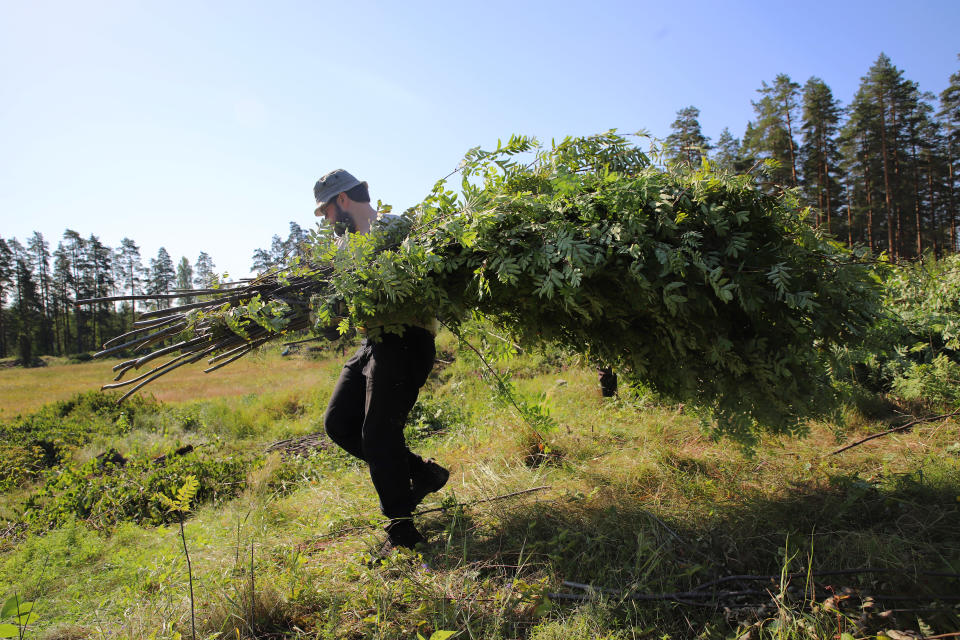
(337, 194)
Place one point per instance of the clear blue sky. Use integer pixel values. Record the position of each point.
(203, 126)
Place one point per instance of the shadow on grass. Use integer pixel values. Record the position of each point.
(905, 527)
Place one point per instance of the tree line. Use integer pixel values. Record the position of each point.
(39, 290)
(880, 171)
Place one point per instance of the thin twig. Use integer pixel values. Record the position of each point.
(183, 537)
(339, 532)
(679, 596)
(253, 591)
(314, 339)
(894, 597)
(699, 592)
(902, 427)
(503, 386)
(819, 574)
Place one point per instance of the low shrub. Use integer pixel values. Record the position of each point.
(433, 415)
(913, 350)
(936, 383)
(43, 438)
(104, 493)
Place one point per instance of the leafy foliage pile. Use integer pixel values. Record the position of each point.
(695, 283)
(105, 493)
(913, 350)
(29, 444)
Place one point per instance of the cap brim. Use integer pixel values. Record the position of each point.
(317, 212)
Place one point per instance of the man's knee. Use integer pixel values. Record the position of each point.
(334, 424)
(383, 441)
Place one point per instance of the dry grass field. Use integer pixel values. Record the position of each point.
(25, 390)
(631, 497)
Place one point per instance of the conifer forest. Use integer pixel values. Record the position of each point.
(878, 169)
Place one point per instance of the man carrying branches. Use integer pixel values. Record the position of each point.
(379, 385)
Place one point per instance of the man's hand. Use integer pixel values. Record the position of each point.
(332, 332)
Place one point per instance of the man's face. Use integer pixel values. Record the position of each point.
(336, 217)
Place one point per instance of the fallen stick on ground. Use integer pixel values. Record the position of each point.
(372, 525)
(698, 592)
(819, 574)
(676, 596)
(902, 427)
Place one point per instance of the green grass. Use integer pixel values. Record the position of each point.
(639, 500)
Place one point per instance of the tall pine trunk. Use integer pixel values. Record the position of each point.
(826, 173)
(916, 200)
(891, 247)
(866, 180)
(953, 211)
(935, 221)
(793, 159)
(850, 195)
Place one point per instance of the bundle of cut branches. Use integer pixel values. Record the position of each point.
(696, 284)
(224, 326)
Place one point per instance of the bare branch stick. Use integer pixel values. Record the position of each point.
(818, 574)
(166, 370)
(144, 375)
(147, 326)
(340, 532)
(250, 347)
(902, 427)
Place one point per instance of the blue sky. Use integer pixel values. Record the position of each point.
(203, 126)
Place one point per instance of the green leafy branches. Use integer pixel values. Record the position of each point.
(698, 284)
(180, 502)
(22, 615)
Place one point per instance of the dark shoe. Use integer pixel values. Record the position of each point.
(428, 478)
(608, 382)
(402, 533)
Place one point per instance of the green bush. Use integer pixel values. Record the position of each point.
(104, 493)
(936, 383)
(44, 437)
(913, 349)
(434, 415)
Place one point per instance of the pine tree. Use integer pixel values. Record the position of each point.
(296, 240)
(6, 280)
(860, 150)
(81, 284)
(130, 269)
(40, 263)
(204, 271)
(919, 193)
(819, 155)
(261, 261)
(771, 136)
(728, 154)
(162, 276)
(264, 259)
(26, 313)
(185, 279)
(100, 261)
(894, 99)
(949, 115)
(687, 145)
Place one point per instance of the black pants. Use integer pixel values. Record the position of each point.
(376, 390)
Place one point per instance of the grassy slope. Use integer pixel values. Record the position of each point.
(638, 500)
